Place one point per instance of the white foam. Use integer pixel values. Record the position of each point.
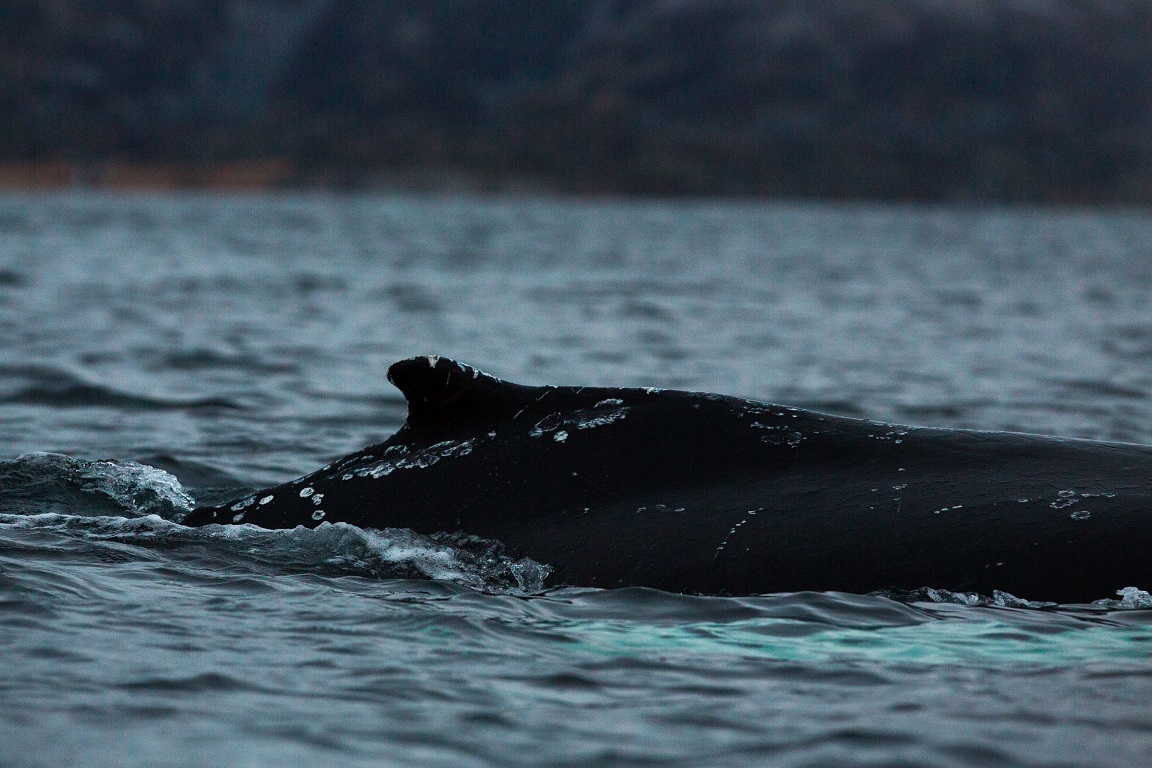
(32, 480)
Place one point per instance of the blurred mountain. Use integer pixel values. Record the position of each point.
(1023, 100)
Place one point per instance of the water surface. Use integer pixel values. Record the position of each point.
(241, 341)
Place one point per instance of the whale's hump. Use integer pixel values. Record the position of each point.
(440, 390)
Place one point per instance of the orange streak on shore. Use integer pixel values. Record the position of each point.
(241, 175)
(36, 175)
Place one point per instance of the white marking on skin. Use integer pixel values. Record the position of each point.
(306, 492)
(318, 514)
(237, 518)
(433, 360)
(317, 499)
(609, 401)
(347, 477)
(266, 499)
(599, 421)
(546, 424)
(420, 459)
(560, 436)
(1080, 514)
(243, 503)
(725, 542)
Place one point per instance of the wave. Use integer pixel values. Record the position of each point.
(331, 549)
(125, 503)
(36, 483)
(1128, 598)
(58, 388)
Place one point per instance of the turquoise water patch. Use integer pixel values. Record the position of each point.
(981, 639)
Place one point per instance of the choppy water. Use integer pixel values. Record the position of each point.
(240, 341)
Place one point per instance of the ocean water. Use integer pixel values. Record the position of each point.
(156, 350)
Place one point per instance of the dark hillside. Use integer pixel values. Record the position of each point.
(1028, 100)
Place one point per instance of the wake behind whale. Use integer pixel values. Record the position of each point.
(702, 493)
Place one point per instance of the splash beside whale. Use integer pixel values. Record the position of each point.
(702, 493)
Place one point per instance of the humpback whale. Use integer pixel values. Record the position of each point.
(709, 494)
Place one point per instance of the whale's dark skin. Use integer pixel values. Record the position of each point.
(701, 493)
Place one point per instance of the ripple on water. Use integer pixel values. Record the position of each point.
(247, 338)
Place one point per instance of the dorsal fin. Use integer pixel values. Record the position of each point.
(444, 391)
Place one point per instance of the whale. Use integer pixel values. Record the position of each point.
(700, 493)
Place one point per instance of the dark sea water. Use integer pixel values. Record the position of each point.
(234, 342)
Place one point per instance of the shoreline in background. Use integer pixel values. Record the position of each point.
(990, 102)
(258, 176)
(265, 175)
